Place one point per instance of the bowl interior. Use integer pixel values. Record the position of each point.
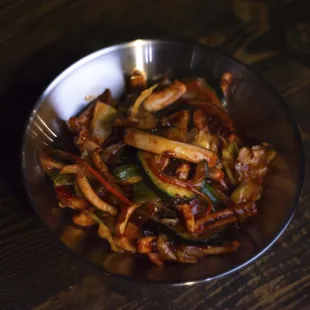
(256, 109)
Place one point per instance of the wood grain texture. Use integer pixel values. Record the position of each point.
(39, 39)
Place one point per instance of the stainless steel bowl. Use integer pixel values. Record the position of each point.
(256, 109)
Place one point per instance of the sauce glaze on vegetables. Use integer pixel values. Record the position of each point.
(161, 172)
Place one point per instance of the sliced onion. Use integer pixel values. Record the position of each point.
(114, 191)
(104, 233)
(165, 249)
(133, 112)
(124, 243)
(91, 196)
(124, 216)
(172, 148)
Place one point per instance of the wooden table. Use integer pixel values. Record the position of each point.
(38, 39)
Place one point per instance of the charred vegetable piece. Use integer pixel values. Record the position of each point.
(165, 249)
(101, 123)
(163, 98)
(238, 212)
(170, 190)
(220, 225)
(246, 191)
(162, 146)
(76, 124)
(127, 174)
(83, 219)
(188, 217)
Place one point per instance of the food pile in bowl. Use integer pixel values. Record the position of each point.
(160, 172)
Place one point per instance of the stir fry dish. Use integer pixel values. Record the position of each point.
(160, 172)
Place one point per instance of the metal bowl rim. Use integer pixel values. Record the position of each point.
(112, 48)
